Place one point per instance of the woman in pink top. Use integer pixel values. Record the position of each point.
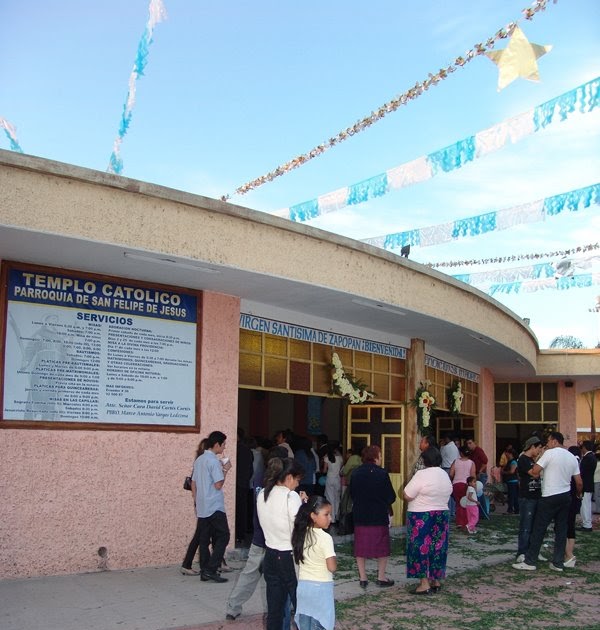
(461, 468)
(427, 523)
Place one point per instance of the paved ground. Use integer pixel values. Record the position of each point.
(482, 591)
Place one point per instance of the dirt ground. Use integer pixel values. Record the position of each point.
(482, 591)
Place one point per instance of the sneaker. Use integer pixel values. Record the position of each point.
(521, 558)
(554, 567)
(542, 558)
(570, 563)
(523, 566)
(585, 529)
(231, 617)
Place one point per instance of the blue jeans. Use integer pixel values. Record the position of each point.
(485, 502)
(527, 508)
(309, 623)
(513, 497)
(553, 508)
(451, 501)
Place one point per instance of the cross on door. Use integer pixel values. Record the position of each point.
(381, 425)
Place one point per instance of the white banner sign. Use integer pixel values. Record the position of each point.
(93, 351)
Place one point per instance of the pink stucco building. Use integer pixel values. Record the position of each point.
(106, 393)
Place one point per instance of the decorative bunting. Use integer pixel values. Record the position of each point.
(503, 259)
(582, 99)
(156, 14)
(518, 59)
(11, 133)
(391, 106)
(565, 268)
(561, 284)
(539, 210)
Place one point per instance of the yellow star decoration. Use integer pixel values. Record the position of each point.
(518, 59)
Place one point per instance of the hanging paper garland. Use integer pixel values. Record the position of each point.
(539, 210)
(157, 13)
(582, 99)
(11, 133)
(391, 106)
(515, 257)
(561, 284)
(564, 268)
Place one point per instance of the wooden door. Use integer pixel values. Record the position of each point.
(380, 425)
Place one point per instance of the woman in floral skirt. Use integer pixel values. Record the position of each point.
(427, 524)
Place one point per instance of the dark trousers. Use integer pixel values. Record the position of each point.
(513, 497)
(527, 508)
(241, 512)
(280, 576)
(214, 531)
(553, 508)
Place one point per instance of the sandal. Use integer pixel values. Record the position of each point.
(415, 592)
(363, 583)
(435, 588)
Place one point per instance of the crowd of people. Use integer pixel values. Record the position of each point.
(290, 494)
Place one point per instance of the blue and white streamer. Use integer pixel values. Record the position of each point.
(561, 284)
(156, 14)
(11, 133)
(564, 268)
(582, 99)
(539, 210)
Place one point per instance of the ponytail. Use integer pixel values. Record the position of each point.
(277, 471)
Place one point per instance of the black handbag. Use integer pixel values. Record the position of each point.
(187, 483)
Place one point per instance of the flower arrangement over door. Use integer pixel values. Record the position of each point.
(424, 403)
(346, 386)
(455, 398)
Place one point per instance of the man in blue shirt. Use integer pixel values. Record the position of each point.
(208, 478)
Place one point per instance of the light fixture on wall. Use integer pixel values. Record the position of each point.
(378, 306)
(166, 260)
(483, 340)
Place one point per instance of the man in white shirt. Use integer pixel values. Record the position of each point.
(558, 466)
(588, 468)
(281, 439)
(449, 452)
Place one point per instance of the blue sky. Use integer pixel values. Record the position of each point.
(233, 89)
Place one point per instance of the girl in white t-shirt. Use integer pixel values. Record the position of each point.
(315, 556)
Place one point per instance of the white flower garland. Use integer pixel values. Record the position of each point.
(344, 386)
(426, 402)
(457, 398)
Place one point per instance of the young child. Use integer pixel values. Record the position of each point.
(315, 555)
(472, 505)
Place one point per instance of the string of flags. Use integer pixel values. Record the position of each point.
(11, 133)
(562, 284)
(156, 14)
(420, 87)
(535, 211)
(582, 99)
(564, 268)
